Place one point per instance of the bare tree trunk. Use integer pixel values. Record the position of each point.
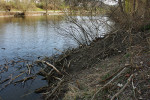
(54, 6)
(124, 4)
(134, 8)
(146, 13)
(134, 5)
(46, 6)
(120, 6)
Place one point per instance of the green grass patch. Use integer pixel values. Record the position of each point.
(39, 9)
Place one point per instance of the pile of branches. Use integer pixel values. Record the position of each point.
(23, 71)
(54, 71)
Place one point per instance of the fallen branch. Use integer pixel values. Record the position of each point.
(12, 79)
(54, 90)
(59, 50)
(57, 78)
(42, 89)
(5, 80)
(69, 63)
(65, 56)
(134, 88)
(42, 73)
(27, 94)
(25, 79)
(128, 81)
(29, 68)
(2, 71)
(93, 97)
(103, 81)
(52, 66)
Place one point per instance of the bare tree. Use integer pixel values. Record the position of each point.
(86, 28)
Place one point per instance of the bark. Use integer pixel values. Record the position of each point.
(146, 14)
(121, 6)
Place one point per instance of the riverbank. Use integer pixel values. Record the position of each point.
(29, 13)
(109, 67)
(103, 70)
(106, 69)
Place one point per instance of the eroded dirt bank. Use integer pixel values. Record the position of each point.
(110, 68)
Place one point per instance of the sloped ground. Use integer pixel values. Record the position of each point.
(111, 68)
(83, 84)
(94, 66)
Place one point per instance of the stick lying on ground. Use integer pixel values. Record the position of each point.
(93, 97)
(128, 81)
(103, 81)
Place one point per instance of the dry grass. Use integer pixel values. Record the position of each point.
(84, 83)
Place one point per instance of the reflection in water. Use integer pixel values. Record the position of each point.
(29, 38)
(31, 35)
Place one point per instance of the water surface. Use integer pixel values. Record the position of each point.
(32, 36)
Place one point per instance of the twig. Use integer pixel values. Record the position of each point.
(27, 94)
(134, 89)
(69, 63)
(5, 80)
(25, 79)
(50, 65)
(12, 79)
(41, 89)
(57, 78)
(58, 50)
(65, 56)
(54, 90)
(112, 75)
(29, 68)
(108, 83)
(128, 81)
(42, 73)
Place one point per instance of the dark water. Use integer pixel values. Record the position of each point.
(29, 38)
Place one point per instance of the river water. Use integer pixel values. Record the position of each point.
(30, 38)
